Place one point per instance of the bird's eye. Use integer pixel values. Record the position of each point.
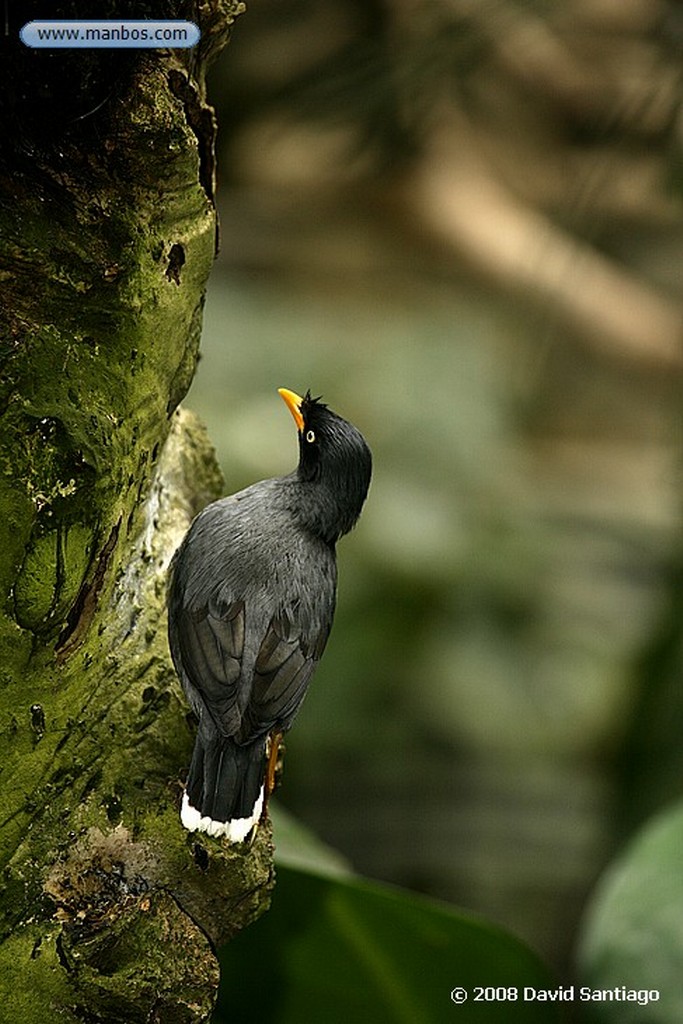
(310, 436)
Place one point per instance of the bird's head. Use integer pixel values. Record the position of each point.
(334, 462)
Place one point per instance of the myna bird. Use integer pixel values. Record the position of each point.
(251, 602)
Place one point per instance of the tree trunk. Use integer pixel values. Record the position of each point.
(108, 908)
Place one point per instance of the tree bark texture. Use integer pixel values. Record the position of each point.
(109, 910)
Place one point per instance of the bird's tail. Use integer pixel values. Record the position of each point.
(224, 791)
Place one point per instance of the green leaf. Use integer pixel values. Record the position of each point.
(342, 950)
(298, 847)
(634, 931)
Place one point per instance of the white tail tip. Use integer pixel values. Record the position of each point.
(235, 831)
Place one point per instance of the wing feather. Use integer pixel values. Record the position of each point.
(282, 673)
(211, 651)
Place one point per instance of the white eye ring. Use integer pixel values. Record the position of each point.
(310, 436)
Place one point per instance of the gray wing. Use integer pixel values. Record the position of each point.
(286, 661)
(207, 645)
(209, 648)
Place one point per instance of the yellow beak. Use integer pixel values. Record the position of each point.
(293, 403)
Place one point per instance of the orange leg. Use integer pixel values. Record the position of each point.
(274, 748)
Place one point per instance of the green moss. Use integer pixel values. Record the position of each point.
(51, 576)
(32, 952)
(36, 585)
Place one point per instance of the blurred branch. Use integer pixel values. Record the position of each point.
(455, 195)
(555, 59)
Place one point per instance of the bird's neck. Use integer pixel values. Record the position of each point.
(326, 510)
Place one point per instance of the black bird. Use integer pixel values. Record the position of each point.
(251, 601)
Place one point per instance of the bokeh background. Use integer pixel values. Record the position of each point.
(461, 222)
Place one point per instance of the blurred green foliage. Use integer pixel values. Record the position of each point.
(634, 932)
(346, 950)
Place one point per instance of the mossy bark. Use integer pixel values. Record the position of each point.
(108, 909)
